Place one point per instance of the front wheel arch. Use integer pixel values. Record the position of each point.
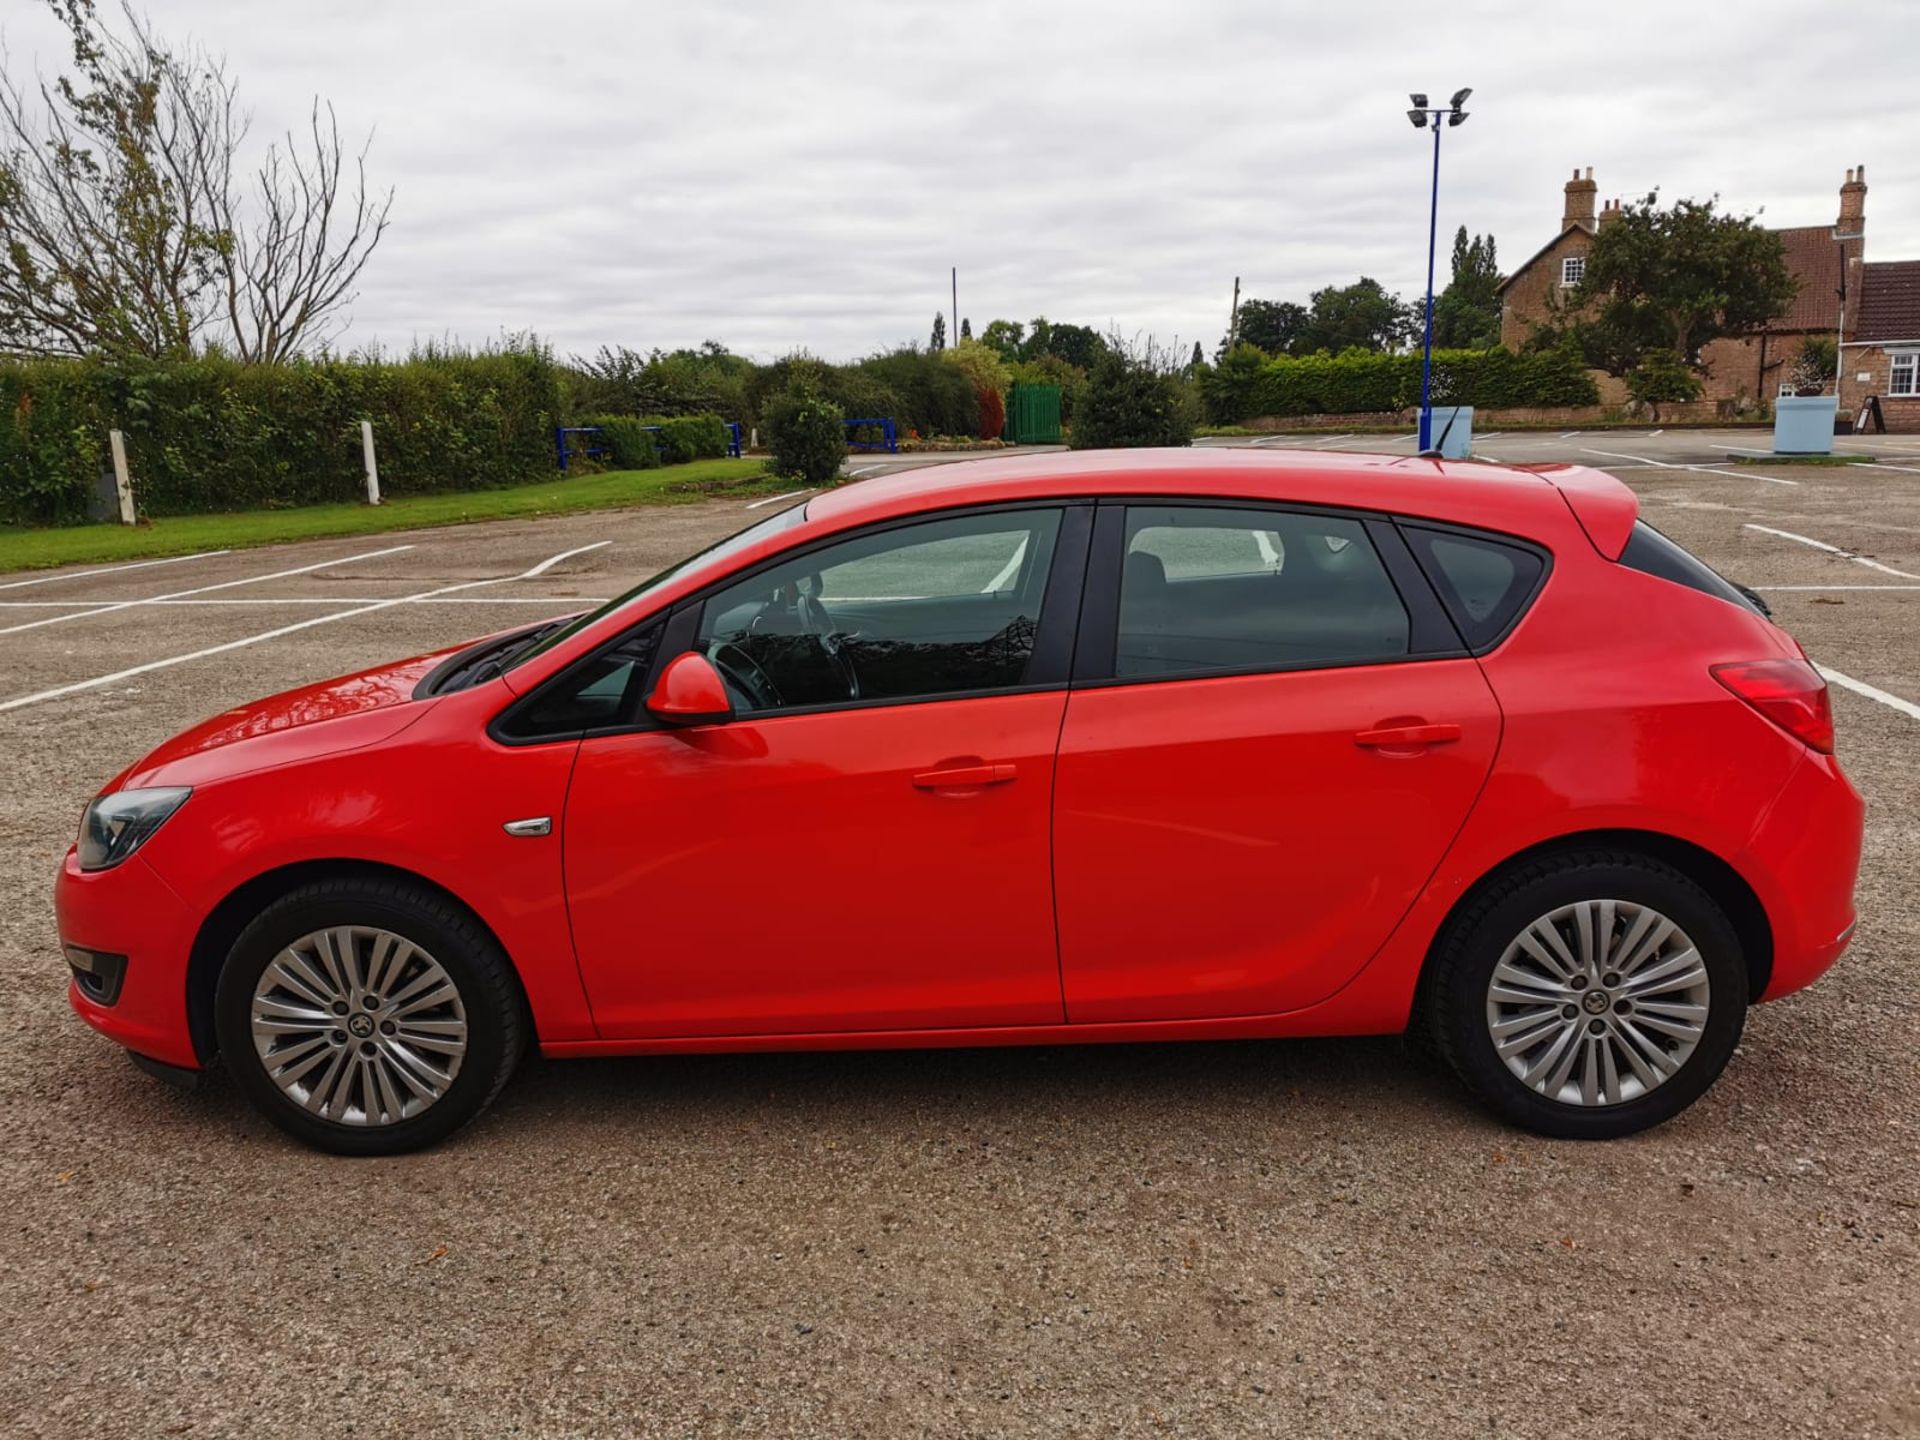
(225, 921)
(1723, 884)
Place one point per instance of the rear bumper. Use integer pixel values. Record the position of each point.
(128, 913)
(1803, 860)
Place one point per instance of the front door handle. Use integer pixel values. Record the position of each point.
(1402, 737)
(961, 777)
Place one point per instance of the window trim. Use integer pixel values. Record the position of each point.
(1497, 537)
(1912, 357)
(1430, 631)
(1567, 264)
(1047, 668)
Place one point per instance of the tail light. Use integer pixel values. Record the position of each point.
(1790, 693)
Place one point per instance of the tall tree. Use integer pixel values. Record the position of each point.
(1004, 336)
(1364, 315)
(938, 341)
(1466, 315)
(1274, 326)
(1671, 280)
(1076, 344)
(966, 328)
(127, 227)
(1198, 359)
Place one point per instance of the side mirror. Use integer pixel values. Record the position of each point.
(690, 692)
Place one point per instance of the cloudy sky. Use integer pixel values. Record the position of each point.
(786, 173)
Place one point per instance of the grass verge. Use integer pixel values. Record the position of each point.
(1774, 461)
(36, 549)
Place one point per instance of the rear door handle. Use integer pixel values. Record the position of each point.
(1394, 737)
(958, 777)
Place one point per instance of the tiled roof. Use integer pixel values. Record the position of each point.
(1889, 302)
(1813, 255)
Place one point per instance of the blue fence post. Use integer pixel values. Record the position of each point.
(560, 446)
(734, 432)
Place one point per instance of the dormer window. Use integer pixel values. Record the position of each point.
(1573, 269)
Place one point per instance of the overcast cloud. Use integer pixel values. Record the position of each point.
(776, 175)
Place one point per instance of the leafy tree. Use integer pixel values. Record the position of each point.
(1198, 359)
(1076, 344)
(126, 226)
(1004, 336)
(981, 364)
(1466, 315)
(1274, 326)
(1133, 399)
(1227, 389)
(1362, 316)
(939, 340)
(807, 435)
(966, 328)
(1662, 377)
(1673, 279)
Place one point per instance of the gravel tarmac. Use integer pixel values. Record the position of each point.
(1319, 1238)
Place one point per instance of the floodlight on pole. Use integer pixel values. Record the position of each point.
(1423, 117)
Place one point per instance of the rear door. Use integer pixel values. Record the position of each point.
(1274, 735)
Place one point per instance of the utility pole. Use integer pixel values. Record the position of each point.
(956, 307)
(1233, 316)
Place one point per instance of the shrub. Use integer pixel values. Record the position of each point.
(211, 434)
(1662, 377)
(807, 435)
(1130, 400)
(981, 364)
(1227, 389)
(691, 437)
(629, 444)
(993, 415)
(920, 390)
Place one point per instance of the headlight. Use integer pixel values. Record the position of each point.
(116, 825)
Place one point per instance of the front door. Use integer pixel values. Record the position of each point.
(865, 847)
(1260, 785)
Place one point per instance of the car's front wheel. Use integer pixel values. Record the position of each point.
(368, 1016)
(1588, 995)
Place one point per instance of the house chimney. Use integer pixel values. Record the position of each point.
(1580, 193)
(1853, 202)
(1610, 212)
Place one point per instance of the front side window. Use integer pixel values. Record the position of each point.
(1205, 589)
(600, 691)
(1904, 376)
(1573, 270)
(942, 607)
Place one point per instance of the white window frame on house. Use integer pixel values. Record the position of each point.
(1573, 269)
(1903, 368)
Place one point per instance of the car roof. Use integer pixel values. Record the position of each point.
(1465, 492)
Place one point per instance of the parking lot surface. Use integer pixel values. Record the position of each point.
(1301, 1237)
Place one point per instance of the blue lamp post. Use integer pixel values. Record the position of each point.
(1425, 117)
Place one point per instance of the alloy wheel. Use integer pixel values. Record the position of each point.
(359, 1025)
(1598, 1003)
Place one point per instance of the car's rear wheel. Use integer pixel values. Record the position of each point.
(1588, 995)
(368, 1017)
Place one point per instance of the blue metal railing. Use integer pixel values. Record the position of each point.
(888, 440)
(560, 451)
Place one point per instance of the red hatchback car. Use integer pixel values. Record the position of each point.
(1111, 746)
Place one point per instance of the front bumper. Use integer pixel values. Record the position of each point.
(128, 919)
(1804, 859)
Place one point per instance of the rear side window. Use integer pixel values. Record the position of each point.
(1484, 582)
(1252, 589)
(1652, 553)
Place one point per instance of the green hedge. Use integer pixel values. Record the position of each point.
(642, 442)
(211, 435)
(1244, 387)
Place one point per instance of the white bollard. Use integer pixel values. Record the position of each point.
(122, 481)
(373, 469)
(753, 438)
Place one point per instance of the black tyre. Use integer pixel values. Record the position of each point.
(1587, 995)
(367, 1016)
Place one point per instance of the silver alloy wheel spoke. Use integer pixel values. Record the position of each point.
(359, 1025)
(1598, 1002)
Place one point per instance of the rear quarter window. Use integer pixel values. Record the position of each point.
(1652, 553)
(1485, 581)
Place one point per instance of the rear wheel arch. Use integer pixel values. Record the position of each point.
(226, 921)
(1724, 885)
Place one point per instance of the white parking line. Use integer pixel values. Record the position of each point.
(791, 494)
(1675, 465)
(1834, 550)
(1872, 692)
(1822, 589)
(1882, 465)
(318, 600)
(131, 671)
(204, 589)
(553, 560)
(111, 569)
(1651, 433)
(1570, 434)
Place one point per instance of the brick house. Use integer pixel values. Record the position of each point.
(1739, 374)
(1881, 356)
